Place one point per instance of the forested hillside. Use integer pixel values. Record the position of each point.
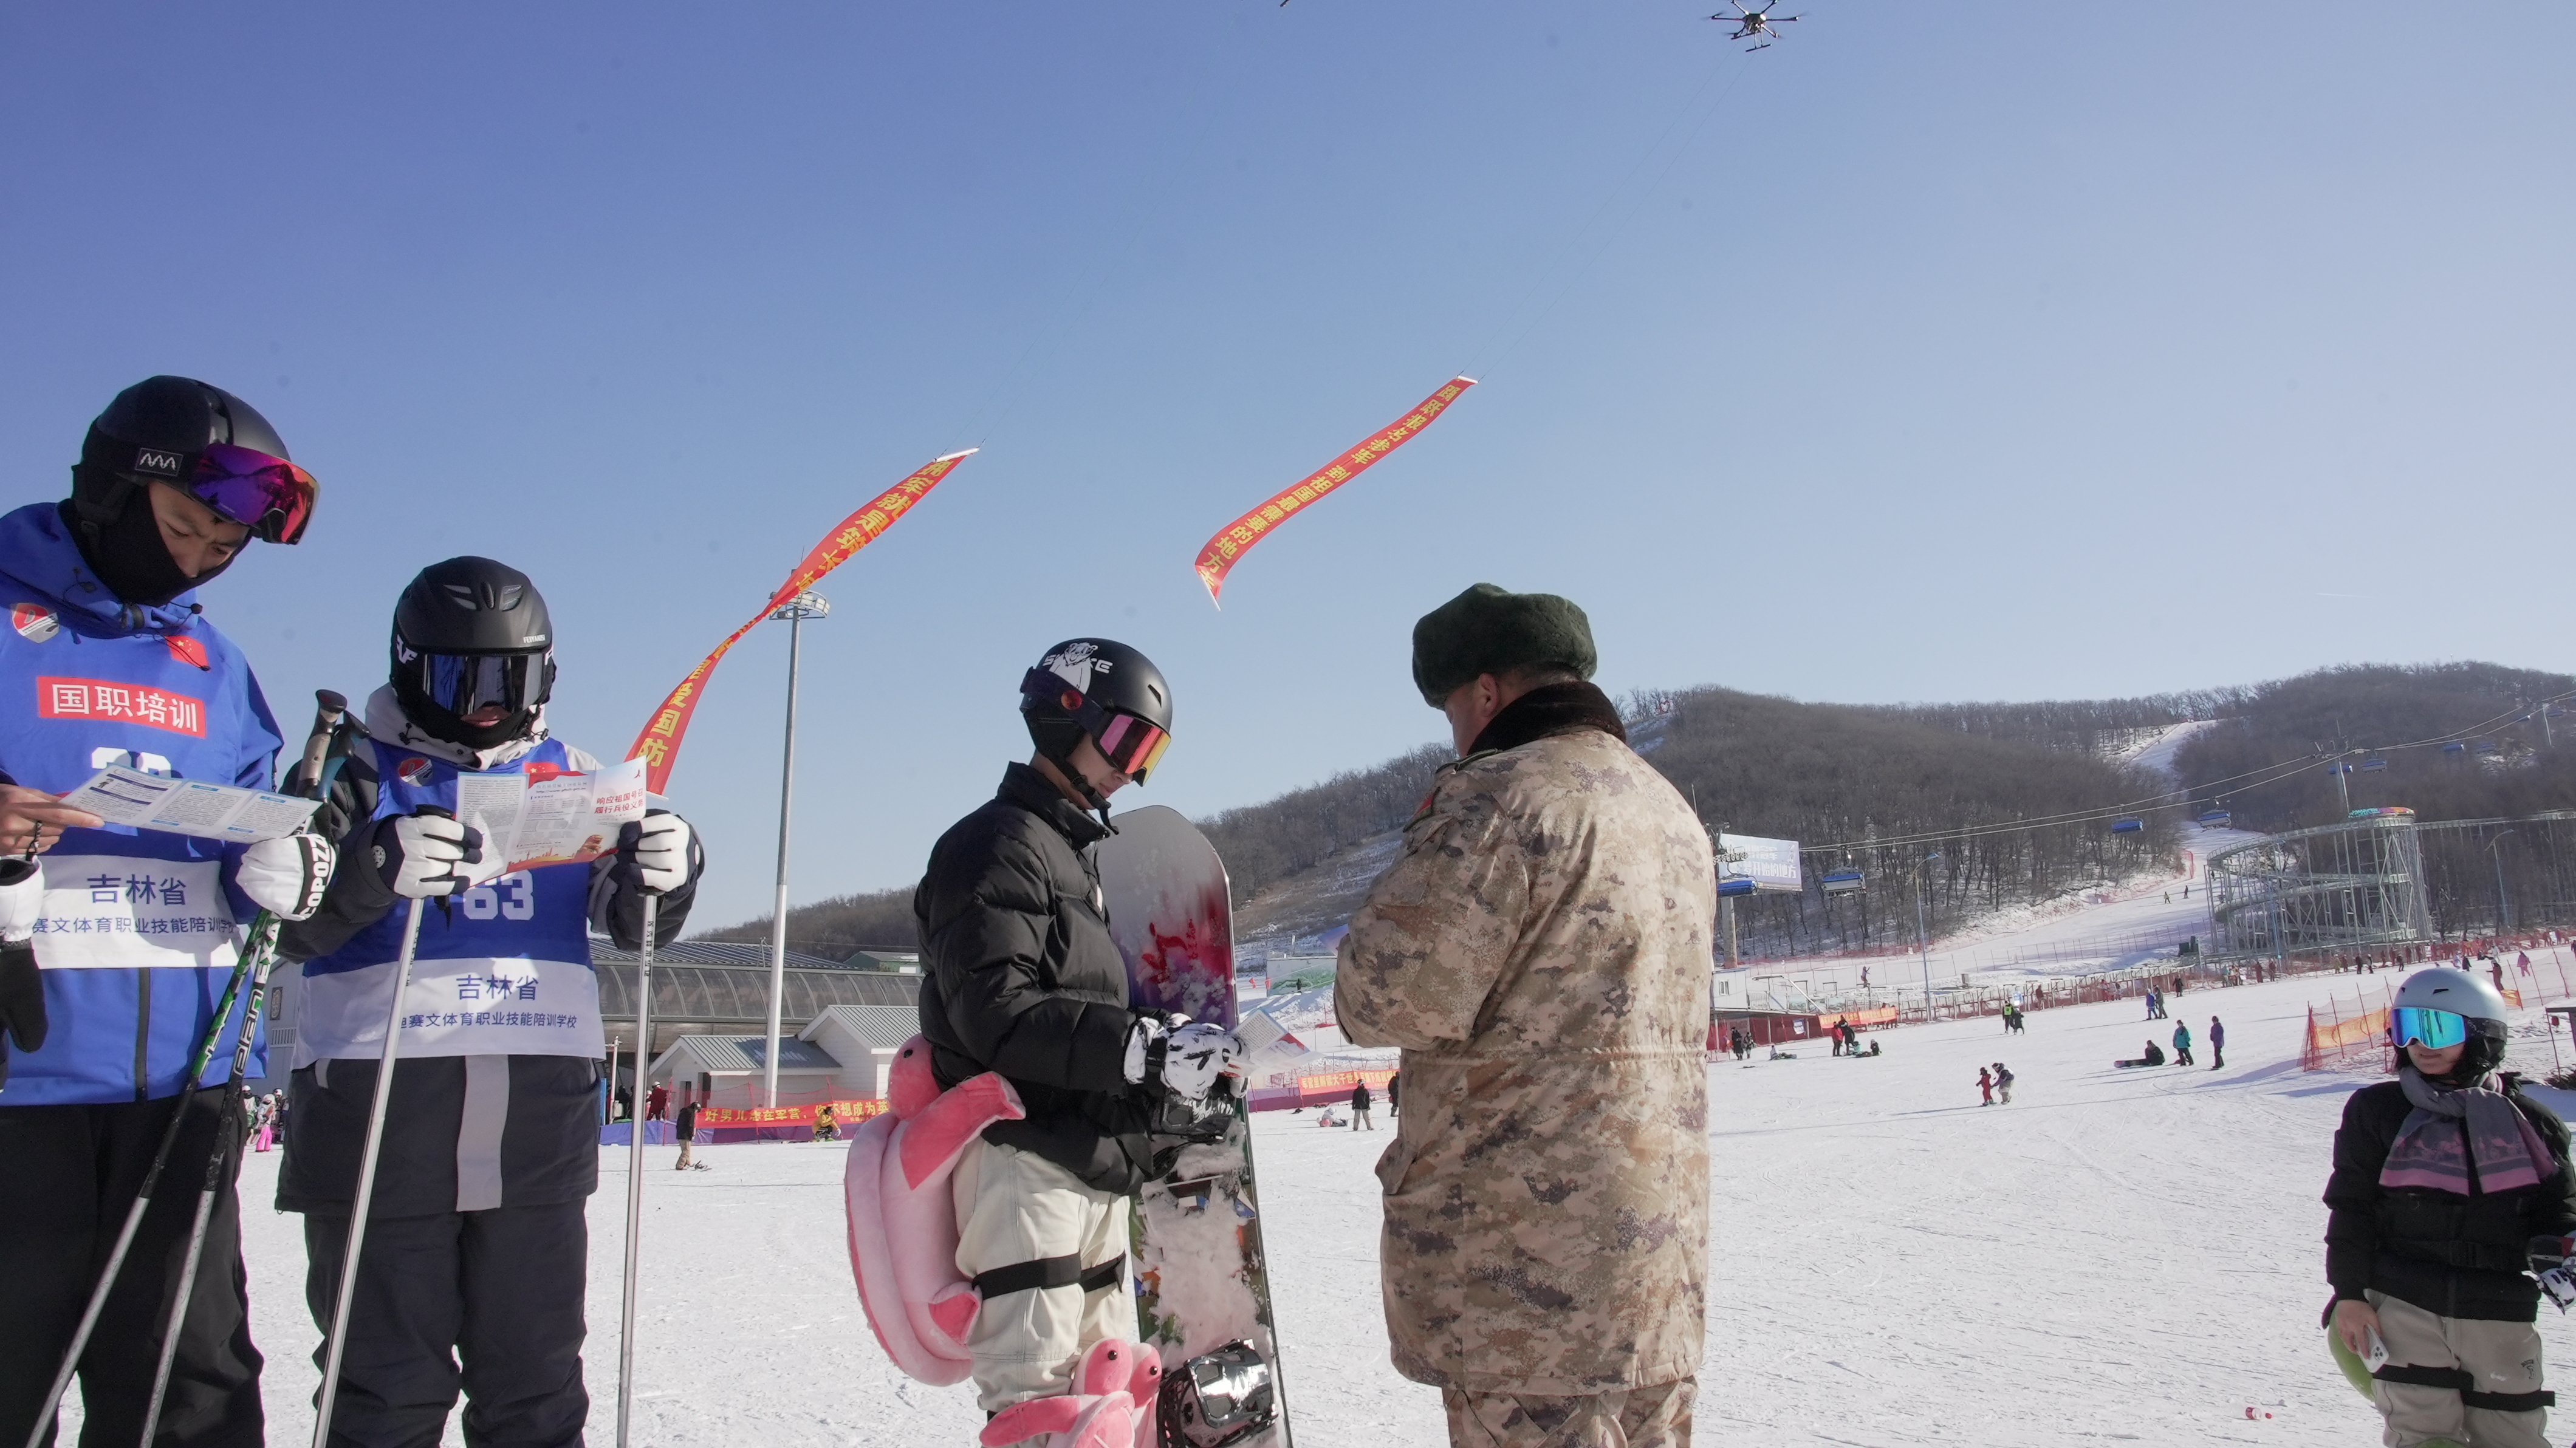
(2400, 716)
(1887, 785)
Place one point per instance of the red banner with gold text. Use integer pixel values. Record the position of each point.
(1236, 539)
(848, 1113)
(659, 744)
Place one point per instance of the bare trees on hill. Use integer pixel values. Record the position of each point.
(1898, 786)
(2372, 708)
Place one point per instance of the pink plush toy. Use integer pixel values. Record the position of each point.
(1111, 1405)
(903, 1222)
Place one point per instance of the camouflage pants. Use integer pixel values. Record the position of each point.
(1656, 1417)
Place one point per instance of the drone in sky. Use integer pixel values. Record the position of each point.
(1754, 24)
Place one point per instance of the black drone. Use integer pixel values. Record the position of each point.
(1754, 24)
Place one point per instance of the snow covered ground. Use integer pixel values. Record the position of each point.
(2117, 1256)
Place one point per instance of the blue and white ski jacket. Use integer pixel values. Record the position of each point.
(502, 969)
(139, 934)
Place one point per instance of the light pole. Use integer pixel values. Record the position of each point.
(1922, 928)
(802, 607)
(2498, 856)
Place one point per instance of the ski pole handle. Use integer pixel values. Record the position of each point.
(329, 708)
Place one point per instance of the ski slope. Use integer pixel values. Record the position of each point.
(2118, 1256)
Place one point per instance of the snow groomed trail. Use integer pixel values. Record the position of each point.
(2117, 1256)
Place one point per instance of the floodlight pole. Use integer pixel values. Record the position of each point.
(802, 607)
(1922, 928)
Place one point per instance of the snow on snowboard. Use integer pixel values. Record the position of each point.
(1202, 1285)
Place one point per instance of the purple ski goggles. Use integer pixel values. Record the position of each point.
(270, 496)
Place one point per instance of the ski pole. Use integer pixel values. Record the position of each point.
(635, 1165)
(330, 710)
(339, 1340)
(214, 1183)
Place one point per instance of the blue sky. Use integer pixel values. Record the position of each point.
(2057, 350)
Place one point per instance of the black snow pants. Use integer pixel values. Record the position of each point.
(487, 1301)
(68, 1175)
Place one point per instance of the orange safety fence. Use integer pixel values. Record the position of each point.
(2347, 1036)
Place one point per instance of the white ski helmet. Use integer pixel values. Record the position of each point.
(2468, 996)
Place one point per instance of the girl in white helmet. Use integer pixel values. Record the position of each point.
(2442, 1178)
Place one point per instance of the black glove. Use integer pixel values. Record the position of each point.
(22, 1001)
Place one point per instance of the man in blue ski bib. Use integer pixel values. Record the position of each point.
(115, 953)
(473, 1265)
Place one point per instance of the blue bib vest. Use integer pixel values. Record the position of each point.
(138, 936)
(502, 969)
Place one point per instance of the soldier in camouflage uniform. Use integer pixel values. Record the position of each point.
(1541, 951)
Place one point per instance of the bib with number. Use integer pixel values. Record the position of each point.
(502, 969)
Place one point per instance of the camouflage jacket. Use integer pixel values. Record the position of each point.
(1541, 952)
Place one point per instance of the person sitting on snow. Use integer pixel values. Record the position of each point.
(2443, 1179)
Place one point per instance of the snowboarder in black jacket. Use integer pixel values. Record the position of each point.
(1021, 977)
(2442, 1178)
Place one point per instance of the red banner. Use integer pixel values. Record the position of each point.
(1236, 539)
(659, 744)
(848, 1113)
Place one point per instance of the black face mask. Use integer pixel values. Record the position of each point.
(130, 556)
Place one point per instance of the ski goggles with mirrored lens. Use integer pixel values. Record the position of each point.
(1131, 745)
(2432, 1029)
(270, 496)
(464, 683)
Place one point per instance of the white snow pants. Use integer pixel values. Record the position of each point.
(2502, 1358)
(1014, 1207)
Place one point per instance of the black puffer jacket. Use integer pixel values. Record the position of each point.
(1021, 977)
(2458, 1256)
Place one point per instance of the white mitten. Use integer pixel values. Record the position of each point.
(659, 852)
(1196, 1055)
(426, 855)
(287, 877)
(22, 899)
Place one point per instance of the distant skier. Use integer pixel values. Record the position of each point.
(2182, 1043)
(2217, 1045)
(2003, 1083)
(1360, 1108)
(2153, 1055)
(1394, 1092)
(2443, 1179)
(1986, 1086)
(1021, 977)
(2522, 963)
(657, 1102)
(827, 1125)
(1836, 1032)
(687, 1128)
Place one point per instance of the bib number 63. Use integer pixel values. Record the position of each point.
(511, 897)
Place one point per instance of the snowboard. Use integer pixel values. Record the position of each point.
(1202, 1282)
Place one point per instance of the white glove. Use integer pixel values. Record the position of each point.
(1144, 1040)
(1185, 1060)
(658, 852)
(426, 855)
(286, 877)
(22, 899)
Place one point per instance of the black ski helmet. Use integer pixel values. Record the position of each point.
(156, 429)
(471, 634)
(1103, 690)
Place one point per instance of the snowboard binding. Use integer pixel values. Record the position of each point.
(1218, 1398)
